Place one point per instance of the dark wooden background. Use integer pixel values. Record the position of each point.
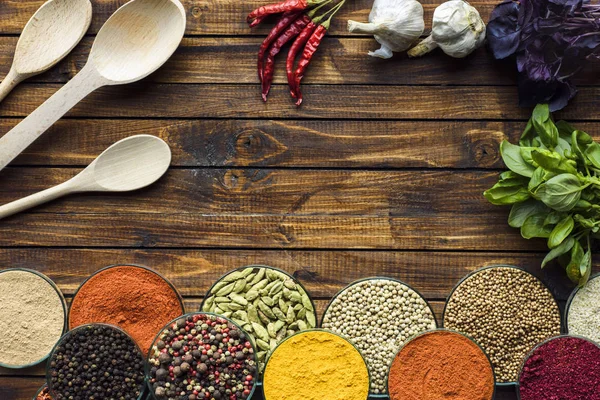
(380, 172)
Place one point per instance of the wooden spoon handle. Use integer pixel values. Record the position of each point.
(32, 127)
(11, 80)
(36, 199)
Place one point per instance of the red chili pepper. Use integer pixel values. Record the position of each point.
(284, 22)
(294, 50)
(277, 8)
(257, 21)
(292, 31)
(309, 51)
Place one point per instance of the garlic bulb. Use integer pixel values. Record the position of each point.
(457, 29)
(396, 25)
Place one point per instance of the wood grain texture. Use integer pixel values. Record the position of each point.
(211, 17)
(322, 102)
(323, 273)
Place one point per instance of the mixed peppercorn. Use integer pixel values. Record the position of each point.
(306, 28)
(202, 356)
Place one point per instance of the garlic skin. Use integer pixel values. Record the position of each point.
(457, 29)
(396, 25)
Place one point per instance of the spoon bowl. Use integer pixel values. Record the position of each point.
(129, 164)
(137, 39)
(51, 33)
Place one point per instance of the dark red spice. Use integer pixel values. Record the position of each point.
(284, 22)
(288, 5)
(564, 368)
(44, 394)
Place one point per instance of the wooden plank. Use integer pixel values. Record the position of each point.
(144, 100)
(338, 61)
(323, 273)
(274, 192)
(210, 17)
(290, 143)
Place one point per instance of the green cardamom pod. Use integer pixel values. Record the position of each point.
(237, 321)
(278, 313)
(265, 309)
(234, 276)
(301, 314)
(258, 277)
(260, 331)
(246, 272)
(263, 345)
(225, 290)
(311, 320)
(248, 328)
(307, 303)
(272, 274)
(263, 318)
(291, 315)
(241, 314)
(218, 286)
(302, 325)
(293, 326)
(277, 297)
(287, 293)
(260, 285)
(272, 344)
(261, 355)
(296, 297)
(267, 300)
(221, 299)
(298, 307)
(271, 330)
(226, 314)
(290, 332)
(224, 307)
(276, 288)
(238, 299)
(208, 303)
(234, 306)
(281, 334)
(251, 295)
(290, 284)
(278, 325)
(240, 285)
(283, 306)
(252, 313)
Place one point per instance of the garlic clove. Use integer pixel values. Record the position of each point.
(383, 52)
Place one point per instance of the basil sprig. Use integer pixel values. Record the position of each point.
(553, 186)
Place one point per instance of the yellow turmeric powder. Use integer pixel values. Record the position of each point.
(316, 365)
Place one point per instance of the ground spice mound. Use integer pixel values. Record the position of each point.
(133, 298)
(316, 365)
(32, 317)
(441, 365)
(565, 368)
(507, 311)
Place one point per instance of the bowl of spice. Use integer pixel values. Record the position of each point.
(32, 317)
(96, 361)
(582, 313)
(565, 367)
(43, 393)
(441, 364)
(507, 311)
(313, 365)
(202, 356)
(132, 297)
(378, 315)
(268, 303)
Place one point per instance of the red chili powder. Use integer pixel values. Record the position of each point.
(135, 299)
(565, 368)
(441, 365)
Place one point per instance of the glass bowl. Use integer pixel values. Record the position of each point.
(102, 270)
(451, 331)
(517, 384)
(64, 306)
(148, 364)
(73, 331)
(325, 331)
(570, 300)
(512, 384)
(378, 278)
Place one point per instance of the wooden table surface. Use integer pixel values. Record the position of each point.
(380, 172)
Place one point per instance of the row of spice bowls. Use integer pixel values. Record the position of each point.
(493, 317)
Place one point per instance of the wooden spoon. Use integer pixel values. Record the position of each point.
(134, 42)
(129, 164)
(51, 33)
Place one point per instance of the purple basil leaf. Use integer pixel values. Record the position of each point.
(503, 30)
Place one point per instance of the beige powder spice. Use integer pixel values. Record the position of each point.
(32, 317)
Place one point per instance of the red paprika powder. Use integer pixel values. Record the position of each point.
(440, 365)
(565, 368)
(134, 298)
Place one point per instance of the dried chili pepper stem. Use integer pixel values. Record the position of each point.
(310, 49)
(284, 22)
(277, 8)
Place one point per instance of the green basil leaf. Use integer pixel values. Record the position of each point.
(534, 227)
(561, 231)
(585, 268)
(564, 129)
(511, 154)
(544, 126)
(537, 179)
(554, 217)
(560, 193)
(502, 195)
(558, 251)
(552, 161)
(583, 139)
(528, 136)
(521, 211)
(577, 149)
(562, 147)
(573, 269)
(592, 152)
(586, 223)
